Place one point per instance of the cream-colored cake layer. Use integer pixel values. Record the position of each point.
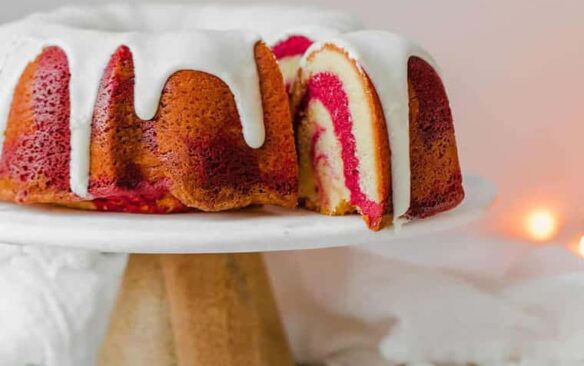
(335, 61)
(325, 161)
(289, 68)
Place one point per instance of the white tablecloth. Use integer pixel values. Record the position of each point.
(446, 299)
(451, 298)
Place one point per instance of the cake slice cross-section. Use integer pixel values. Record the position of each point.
(375, 131)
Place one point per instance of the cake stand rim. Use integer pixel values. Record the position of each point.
(262, 229)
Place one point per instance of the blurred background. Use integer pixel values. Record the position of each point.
(515, 77)
(514, 74)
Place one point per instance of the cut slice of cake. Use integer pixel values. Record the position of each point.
(374, 130)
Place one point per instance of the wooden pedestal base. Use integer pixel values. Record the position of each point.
(196, 310)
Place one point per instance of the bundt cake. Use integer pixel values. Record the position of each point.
(190, 112)
(179, 119)
(374, 130)
(168, 108)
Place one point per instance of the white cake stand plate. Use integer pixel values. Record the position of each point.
(212, 304)
(252, 230)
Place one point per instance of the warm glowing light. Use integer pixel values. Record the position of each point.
(581, 246)
(542, 225)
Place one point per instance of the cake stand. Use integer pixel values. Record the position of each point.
(196, 290)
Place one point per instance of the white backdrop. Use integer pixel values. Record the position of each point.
(515, 76)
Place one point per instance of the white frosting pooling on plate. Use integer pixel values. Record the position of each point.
(384, 57)
(164, 39)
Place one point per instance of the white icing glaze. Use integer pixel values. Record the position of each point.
(229, 55)
(163, 39)
(273, 21)
(384, 58)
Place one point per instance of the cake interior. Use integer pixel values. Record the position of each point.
(344, 144)
(288, 52)
(342, 155)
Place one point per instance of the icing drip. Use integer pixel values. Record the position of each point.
(229, 55)
(163, 39)
(384, 57)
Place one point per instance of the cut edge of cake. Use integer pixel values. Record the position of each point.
(375, 133)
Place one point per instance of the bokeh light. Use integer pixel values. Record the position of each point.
(542, 225)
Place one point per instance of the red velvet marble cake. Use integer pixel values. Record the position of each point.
(97, 113)
(192, 154)
(374, 130)
(128, 125)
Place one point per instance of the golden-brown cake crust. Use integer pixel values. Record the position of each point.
(191, 155)
(435, 168)
(34, 164)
